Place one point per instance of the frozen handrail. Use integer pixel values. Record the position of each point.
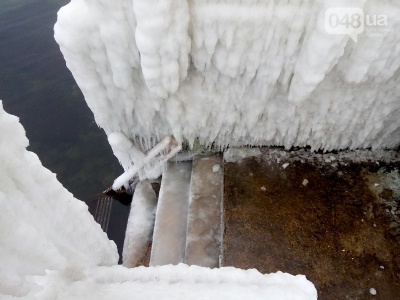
(156, 157)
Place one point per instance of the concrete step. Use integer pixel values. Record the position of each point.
(205, 214)
(169, 238)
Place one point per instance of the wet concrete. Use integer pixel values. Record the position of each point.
(339, 227)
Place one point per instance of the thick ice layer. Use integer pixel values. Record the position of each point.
(175, 282)
(261, 72)
(140, 224)
(43, 227)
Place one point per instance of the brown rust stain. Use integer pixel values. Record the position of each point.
(334, 230)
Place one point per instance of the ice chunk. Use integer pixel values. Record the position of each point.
(234, 73)
(216, 168)
(43, 227)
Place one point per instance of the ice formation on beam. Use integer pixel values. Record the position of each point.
(236, 72)
(43, 227)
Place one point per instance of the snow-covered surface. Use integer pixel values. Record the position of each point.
(43, 227)
(238, 72)
(140, 224)
(175, 282)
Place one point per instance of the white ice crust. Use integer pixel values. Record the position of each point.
(238, 72)
(175, 283)
(43, 227)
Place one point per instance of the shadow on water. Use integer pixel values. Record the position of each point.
(36, 86)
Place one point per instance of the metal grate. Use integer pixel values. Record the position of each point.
(103, 212)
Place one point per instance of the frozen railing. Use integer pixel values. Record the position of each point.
(151, 162)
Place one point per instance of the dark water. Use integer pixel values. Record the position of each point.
(36, 86)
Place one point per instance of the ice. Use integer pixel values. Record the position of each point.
(175, 282)
(162, 39)
(140, 224)
(234, 73)
(43, 227)
(216, 168)
(124, 150)
(149, 165)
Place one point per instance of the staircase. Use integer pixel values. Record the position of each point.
(188, 224)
